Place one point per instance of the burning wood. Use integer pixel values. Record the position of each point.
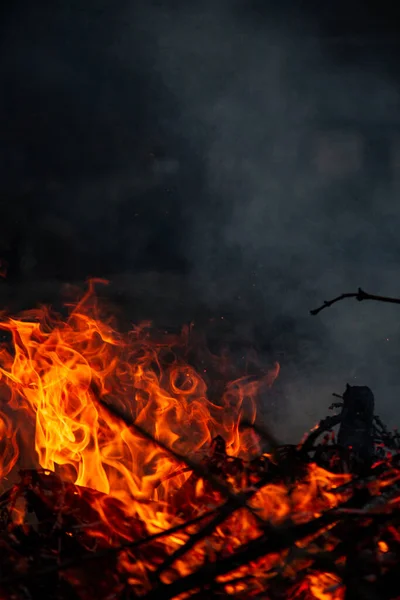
(148, 485)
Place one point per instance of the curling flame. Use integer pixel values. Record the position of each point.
(59, 376)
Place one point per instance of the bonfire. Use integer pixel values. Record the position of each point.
(128, 472)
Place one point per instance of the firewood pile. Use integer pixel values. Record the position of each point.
(146, 488)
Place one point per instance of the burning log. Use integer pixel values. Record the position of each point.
(142, 478)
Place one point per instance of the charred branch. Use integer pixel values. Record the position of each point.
(360, 295)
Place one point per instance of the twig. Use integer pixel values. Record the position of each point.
(360, 296)
(276, 540)
(261, 431)
(225, 511)
(239, 500)
(307, 445)
(105, 552)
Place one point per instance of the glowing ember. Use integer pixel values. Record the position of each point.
(58, 377)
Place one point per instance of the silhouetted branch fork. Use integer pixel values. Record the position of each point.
(360, 295)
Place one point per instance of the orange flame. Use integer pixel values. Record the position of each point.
(59, 373)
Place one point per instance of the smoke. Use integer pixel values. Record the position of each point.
(265, 216)
(281, 225)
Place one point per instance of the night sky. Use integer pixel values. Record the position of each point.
(222, 158)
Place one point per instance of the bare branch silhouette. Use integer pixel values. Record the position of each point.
(360, 295)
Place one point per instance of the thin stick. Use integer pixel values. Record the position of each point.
(360, 296)
(276, 540)
(239, 500)
(261, 431)
(105, 552)
(222, 515)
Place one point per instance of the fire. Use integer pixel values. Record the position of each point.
(326, 587)
(383, 547)
(58, 378)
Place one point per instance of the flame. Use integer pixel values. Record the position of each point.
(57, 371)
(326, 586)
(383, 547)
(58, 375)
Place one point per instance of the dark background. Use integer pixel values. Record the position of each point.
(213, 159)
